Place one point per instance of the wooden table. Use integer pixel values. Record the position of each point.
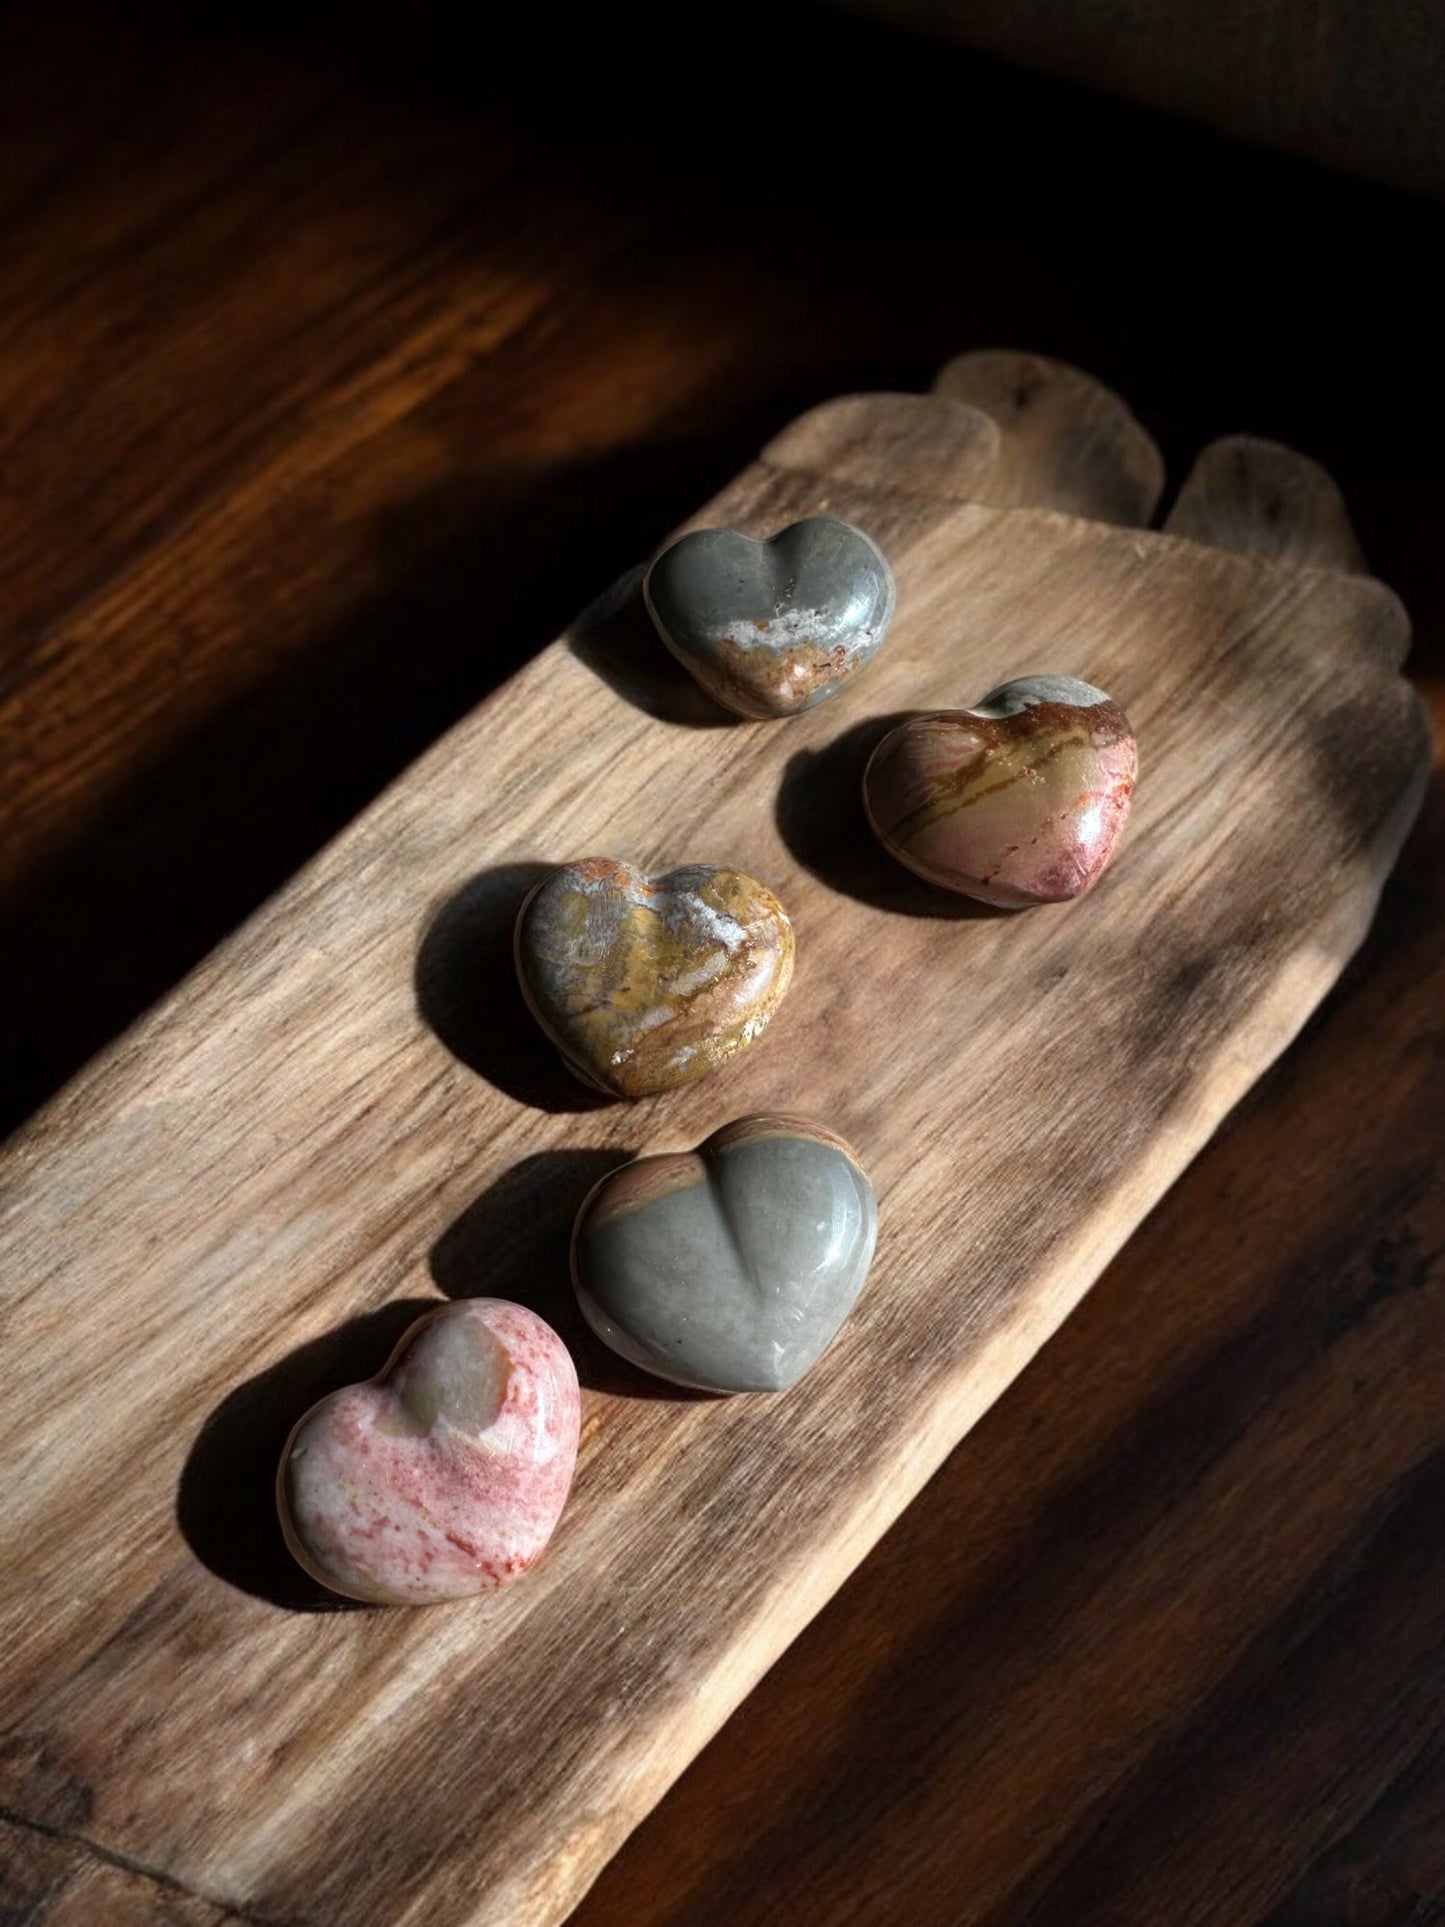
(337, 374)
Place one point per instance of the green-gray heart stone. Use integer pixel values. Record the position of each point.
(732, 1267)
(771, 628)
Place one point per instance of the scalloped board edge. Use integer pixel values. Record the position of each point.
(272, 1153)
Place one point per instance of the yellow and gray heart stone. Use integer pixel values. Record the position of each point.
(643, 982)
(771, 628)
(1019, 800)
(729, 1268)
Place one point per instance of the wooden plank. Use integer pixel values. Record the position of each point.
(1161, 1642)
(189, 1229)
(47, 1880)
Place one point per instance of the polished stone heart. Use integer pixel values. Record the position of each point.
(445, 1474)
(731, 1267)
(1019, 800)
(643, 982)
(771, 628)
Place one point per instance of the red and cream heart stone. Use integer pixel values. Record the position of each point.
(1018, 800)
(445, 1474)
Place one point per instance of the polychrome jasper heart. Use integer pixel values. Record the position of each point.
(770, 628)
(730, 1267)
(644, 983)
(445, 1474)
(1019, 800)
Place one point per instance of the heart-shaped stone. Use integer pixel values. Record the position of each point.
(1019, 800)
(445, 1474)
(643, 982)
(732, 1267)
(770, 628)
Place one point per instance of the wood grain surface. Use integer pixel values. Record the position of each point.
(209, 239)
(270, 1156)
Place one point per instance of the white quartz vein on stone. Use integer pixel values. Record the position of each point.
(787, 628)
(718, 924)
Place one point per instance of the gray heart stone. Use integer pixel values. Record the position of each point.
(732, 1267)
(771, 628)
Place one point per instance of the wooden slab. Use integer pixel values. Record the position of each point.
(345, 1110)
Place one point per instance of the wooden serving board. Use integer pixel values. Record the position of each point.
(345, 1111)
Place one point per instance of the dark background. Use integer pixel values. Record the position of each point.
(344, 354)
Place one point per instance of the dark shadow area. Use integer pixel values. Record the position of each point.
(193, 843)
(1364, 1619)
(467, 991)
(820, 816)
(616, 639)
(514, 1241)
(226, 1502)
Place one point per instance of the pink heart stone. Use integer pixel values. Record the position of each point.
(445, 1474)
(1019, 800)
